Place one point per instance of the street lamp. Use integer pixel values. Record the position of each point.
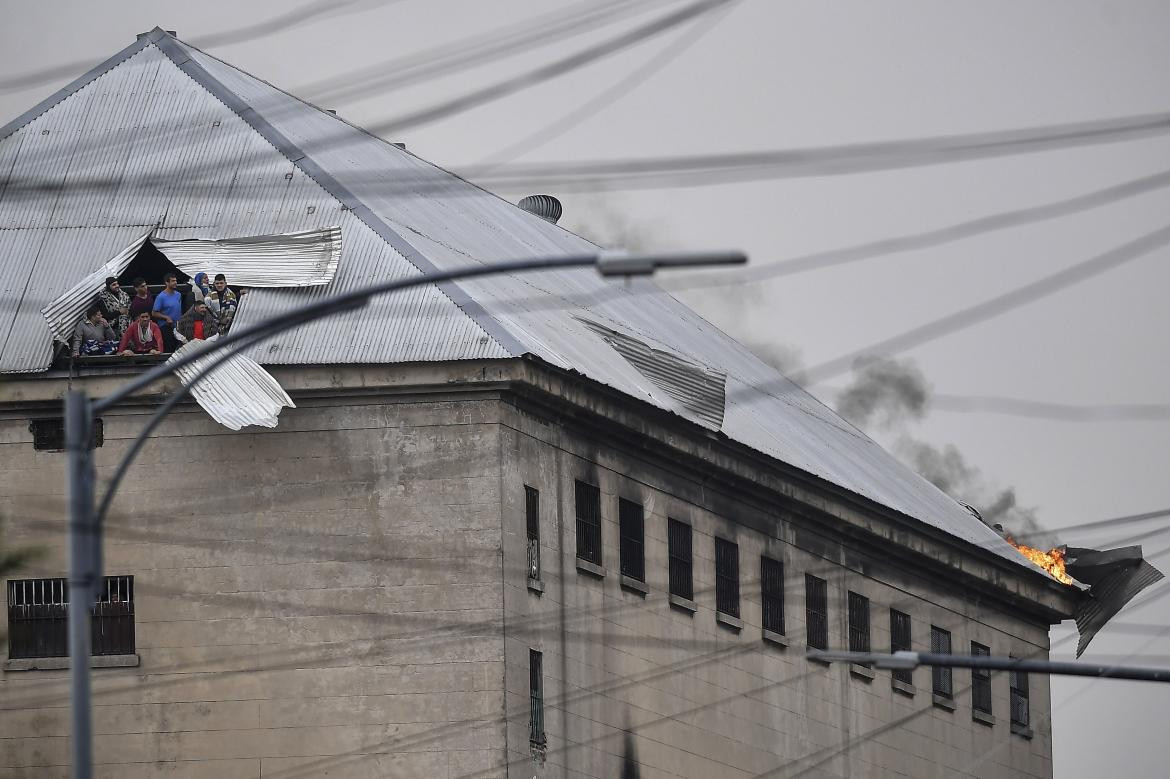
(85, 525)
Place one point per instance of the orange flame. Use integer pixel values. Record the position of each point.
(1051, 561)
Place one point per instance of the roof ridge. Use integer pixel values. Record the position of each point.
(181, 55)
(91, 75)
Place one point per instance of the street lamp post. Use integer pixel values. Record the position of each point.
(85, 525)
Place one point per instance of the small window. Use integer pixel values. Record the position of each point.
(532, 516)
(1018, 684)
(940, 676)
(536, 698)
(981, 681)
(816, 606)
(38, 617)
(49, 434)
(772, 594)
(900, 642)
(727, 577)
(858, 623)
(588, 522)
(678, 541)
(631, 526)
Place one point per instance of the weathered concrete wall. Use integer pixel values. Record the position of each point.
(701, 698)
(323, 595)
(348, 593)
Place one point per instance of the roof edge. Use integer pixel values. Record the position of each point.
(176, 52)
(90, 75)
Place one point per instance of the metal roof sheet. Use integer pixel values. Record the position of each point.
(238, 393)
(306, 258)
(244, 158)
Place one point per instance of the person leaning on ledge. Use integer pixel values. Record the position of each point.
(141, 337)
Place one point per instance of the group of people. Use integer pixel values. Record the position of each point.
(142, 323)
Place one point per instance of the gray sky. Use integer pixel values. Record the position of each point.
(795, 74)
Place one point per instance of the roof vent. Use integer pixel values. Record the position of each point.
(331, 111)
(544, 206)
(400, 146)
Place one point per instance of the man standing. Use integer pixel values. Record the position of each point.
(168, 307)
(222, 301)
(142, 299)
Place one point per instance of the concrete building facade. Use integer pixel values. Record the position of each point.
(348, 595)
(550, 526)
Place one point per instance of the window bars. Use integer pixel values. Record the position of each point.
(678, 541)
(588, 498)
(38, 617)
(772, 594)
(816, 606)
(632, 537)
(900, 642)
(940, 676)
(727, 577)
(858, 623)
(532, 515)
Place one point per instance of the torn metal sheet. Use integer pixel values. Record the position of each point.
(66, 311)
(238, 393)
(307, 258)
(1115, 577)
(699, 390)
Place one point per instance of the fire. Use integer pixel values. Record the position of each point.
(1051, 561)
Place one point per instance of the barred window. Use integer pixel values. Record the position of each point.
(772, 594)
(858, 623)
(940, 677)
(38, 617)
(588, 522)
(727, 577)
(632, 539)
(532, 515)
(536, 698)
(900, 642)
(678, 542)
(816, 607)
(1018, 684)
(981, 681)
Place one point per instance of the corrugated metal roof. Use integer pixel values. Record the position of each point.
(255, 160)
(236, 394)
(307, 258)
(65, 312)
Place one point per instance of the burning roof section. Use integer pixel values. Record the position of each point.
(167, 140)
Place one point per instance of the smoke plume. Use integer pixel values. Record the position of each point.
(889, 394)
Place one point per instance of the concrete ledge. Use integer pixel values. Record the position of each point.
(943, 702)
(536, 585)
(861, 671)
(593, 569)
(772, 637)
(630, 583)
(983, 717)
(58, 663)
(735, 623)
(902, 687)
(685, 604)
(1022, 730)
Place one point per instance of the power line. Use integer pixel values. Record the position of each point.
(927, 239)
(1000, 304)
(590, 108)
(294, 18)
(546, 72)
(472, 51)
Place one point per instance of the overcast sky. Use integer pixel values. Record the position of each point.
(769, 75)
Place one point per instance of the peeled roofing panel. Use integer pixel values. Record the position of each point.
(66, 311)
(304, 259)
(237, 393)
